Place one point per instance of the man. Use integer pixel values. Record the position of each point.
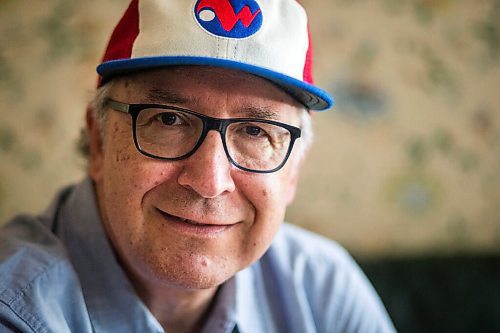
(196, 135)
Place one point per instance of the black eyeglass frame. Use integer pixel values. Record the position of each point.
(209, 123)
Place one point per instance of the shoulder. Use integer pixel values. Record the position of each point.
(320, 266)
(326, 282)
(314, 262)
(35, 274)
(294, 246)
(30, 247)
(27, 250)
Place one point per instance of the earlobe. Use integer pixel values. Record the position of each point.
(95, 145)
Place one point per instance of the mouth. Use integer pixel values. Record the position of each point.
(193, 227)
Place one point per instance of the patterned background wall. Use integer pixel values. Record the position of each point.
(407, 162)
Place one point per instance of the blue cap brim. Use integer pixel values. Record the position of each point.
(311, 96)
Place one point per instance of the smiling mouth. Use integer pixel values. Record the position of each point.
(190, 226)
(180, 219)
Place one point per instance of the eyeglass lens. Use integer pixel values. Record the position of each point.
(253, 145)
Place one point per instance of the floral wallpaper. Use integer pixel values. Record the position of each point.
(406, 163)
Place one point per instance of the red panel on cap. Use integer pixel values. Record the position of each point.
(125, 33)
(308, 74)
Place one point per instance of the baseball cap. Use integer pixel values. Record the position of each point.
(267, 38)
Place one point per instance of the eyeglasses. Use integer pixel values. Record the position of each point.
(172, 133)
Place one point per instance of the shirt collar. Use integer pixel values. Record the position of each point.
(223, 314)
(252, 310)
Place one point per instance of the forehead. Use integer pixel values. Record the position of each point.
(213, 91)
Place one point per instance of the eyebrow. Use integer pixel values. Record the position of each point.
(259, 112)
(168, 97)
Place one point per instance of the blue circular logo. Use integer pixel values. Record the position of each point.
(229, 18)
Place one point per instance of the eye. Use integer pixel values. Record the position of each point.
(168, 118)
(253, 130)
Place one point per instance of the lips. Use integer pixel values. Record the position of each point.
(190, 226)
(183, 220)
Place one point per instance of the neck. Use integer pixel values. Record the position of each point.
(178, 310)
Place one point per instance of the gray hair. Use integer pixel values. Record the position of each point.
(98, 107)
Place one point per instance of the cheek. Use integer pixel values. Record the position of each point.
(127, 178)
(122, 177)
(267, 193)
(126, 170)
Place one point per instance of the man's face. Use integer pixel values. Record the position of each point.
(192, 223)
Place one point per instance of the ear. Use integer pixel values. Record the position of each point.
(294, 175)
(95, 145)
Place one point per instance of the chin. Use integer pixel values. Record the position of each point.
(192, 272)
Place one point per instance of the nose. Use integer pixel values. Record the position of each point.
(208, 170)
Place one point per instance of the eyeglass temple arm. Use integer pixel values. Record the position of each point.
(117, 106)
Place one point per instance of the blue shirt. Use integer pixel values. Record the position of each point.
(58, 273)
